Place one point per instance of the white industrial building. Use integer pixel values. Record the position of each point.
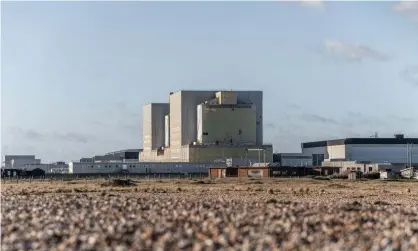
(29, 163)
(363, 166)
(397, 151)
(204, 126)
(19, 161)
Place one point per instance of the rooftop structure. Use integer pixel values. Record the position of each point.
(116, 156)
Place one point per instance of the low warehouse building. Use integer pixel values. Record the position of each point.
(292, 171)
(375, 150)
(240, 172)
(292, 159)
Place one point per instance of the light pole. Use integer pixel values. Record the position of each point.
(410, 159)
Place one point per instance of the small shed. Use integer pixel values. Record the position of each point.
(353, 175)
(238, 172)
(253, 172)
(387, 174)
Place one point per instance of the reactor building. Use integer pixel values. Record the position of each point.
(205, 127)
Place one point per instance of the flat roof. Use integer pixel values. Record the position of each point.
(124, 151)
(157, 104)
(361, 141)
(215, 90)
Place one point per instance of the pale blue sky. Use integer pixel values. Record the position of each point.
(76, 74)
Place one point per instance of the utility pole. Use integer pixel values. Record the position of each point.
(409, 158)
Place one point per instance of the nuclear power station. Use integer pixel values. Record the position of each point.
(205, 127)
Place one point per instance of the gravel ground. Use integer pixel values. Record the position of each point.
(289, 215)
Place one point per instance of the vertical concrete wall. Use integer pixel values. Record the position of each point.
(256, 98)
(189, 102)
(146, 129)
(227, 97)
(167, 131)
(336, 152)
(223, 124)
(175, 126)
(153, 125)
(159, 111)
(191, 99)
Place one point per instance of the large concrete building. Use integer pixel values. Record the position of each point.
(29, 162)
(397, 150)
(204, 126)
(19, 161)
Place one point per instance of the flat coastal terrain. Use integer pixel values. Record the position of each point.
(230, 214)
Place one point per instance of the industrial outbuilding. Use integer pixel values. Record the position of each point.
(239, 172)
(261, 172)
(138, 167)
(292, 159)
(292, 171)
(7, 172)
(396, 150)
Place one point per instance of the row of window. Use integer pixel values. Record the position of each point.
(131, 166)
(359, 169)
(110, 166)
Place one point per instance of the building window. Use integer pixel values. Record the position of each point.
(370, 168)
(205, 133)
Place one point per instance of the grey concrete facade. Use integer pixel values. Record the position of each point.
(182, 110)
(153, 122)
(183, 116)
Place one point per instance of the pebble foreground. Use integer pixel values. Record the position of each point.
(187, 215)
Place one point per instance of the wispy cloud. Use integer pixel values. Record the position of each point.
(314, 4)
(318, 119)
(33, 135)
(270, 125)
(408, 8)
(72, 136)
(410, 75)
(352, 52)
